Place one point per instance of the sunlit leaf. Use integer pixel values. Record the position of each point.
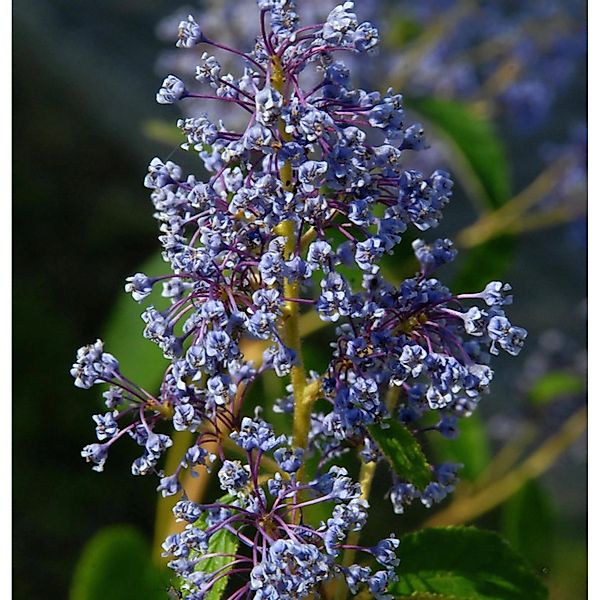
(465, 563)
(403, 452)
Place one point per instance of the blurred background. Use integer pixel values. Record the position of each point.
(85, 127)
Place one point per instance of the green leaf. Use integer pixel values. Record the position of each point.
(116, 564)
(222, 541)
(141, 360)
(471, 448)
(403, 452)
(555, 384)
(528, 523)
(476, 154)
(465, 563)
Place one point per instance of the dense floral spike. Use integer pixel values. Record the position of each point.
(311, 184)
(230, 264)
(229, 273)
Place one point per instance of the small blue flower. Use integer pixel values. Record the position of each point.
(258, 137)
(209, 70)
(169, 486)
(475, 321)
(157, 443)
(448, 426)
(340, 25)
(368, 253)
(435, 255)
(312, 174)
(190, 33)
(414, 138)
(289, 460)
(366, 37)
(195, 456)
(186, 510)
(256, 434)
(233, 476)
(139, 286)
(186, 416)
(510, 338)
(403, 494)
(106, 426)
(272, 267)
(269, 103)
(385, 552)
(93, 365)
(143, 465)
(113, 397)
(356, 575)
(413, 357)
(171, 90)
(496, 294)
(434, 493)
(96, 453)
(379, 582)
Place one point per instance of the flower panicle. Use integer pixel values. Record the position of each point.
(311, 184)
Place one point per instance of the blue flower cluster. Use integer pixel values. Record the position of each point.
(310, 185)
(287, 558)
(509, 61)
(416, 339)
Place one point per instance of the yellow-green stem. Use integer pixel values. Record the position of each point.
(572, 209)
(291, 328)
(507, 456)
